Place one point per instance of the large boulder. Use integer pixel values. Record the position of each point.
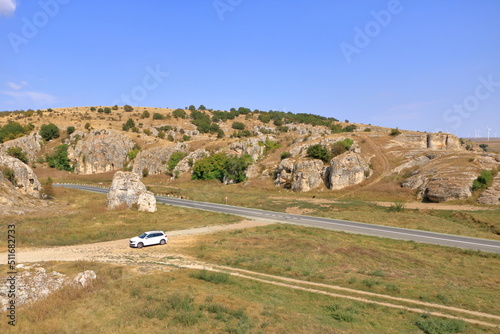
(155, 160)
(25, 179)
(99, 151)
(127, 190)
(307, 175)
(31, 145)
(348, 169)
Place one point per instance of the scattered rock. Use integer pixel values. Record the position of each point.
(126, 190)
(84, 278)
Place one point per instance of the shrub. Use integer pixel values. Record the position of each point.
(349, 128)
(92, 109)
(238, 126)
(368, 130)
(212, 277)
(241, 133)
(179, 113)
(174, 160)
(484, 180)
(431, 325)
(285, 155)
(128, 125)
(396, 207)
(283, 128)
(100, 110)
(147, 132)
(59, 159)
(192, 108)
(395, 132)
(128, 108)
(88, 126)
(319, 152)
(70, 130)
(220, 166)
(186, 138)
(157, 116)
(18, 153)
(202, 107)
(47, 189)
(49, 131)
(145, 114)
(9, 174)
(484, 147)
(264, 118)
(115, 107)
(133, 152)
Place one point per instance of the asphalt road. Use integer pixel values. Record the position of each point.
(484, 245)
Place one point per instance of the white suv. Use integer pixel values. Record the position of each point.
(149, 238)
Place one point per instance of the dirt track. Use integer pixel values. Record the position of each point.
(167, 258)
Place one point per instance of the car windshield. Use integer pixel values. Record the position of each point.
(142, 236)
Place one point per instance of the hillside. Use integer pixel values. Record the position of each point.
(300, 152)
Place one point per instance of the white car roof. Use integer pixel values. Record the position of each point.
(149, 232)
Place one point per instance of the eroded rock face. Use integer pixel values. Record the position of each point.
(31, 145)
(35, 283)
(155, 160)
(253, 147)
(433, 141)
(186, 164)
(307, 175)
(348, 169)
(100, 151)
(25, 179)
(491, 196)
(127, 190)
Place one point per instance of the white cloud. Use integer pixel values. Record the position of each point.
(16, 86)
(31, 97)
(7, 7)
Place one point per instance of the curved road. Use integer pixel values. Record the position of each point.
(484, 245)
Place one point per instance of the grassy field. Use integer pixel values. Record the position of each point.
(124, 299)
(87, 220)
(423, 272)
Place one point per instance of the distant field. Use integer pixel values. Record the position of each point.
(493, 143)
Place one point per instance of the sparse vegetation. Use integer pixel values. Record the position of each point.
(13, 130)
(179, 113)
(17, 153)
(70, 130)
(174, 160)
(484, 180)
(130, 124)
(128, 108)
(395, 132)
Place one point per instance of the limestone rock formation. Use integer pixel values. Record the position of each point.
(25, 179)
(100, 151)
(35, 283)
(307, 175)
(491, 196)
(155, 160)
(187, 163)
(127, 189)
(433, 141)
(31, 145)
(348, 169)
(253, 147)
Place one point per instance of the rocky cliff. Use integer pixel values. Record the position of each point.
(348, 169)
(24, 178)
(127, 190)
(99, 151)
(433, 141)
(155, 160)
(491, 196)
(31, 145)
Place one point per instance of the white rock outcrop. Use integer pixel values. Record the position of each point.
(127, 190)
(348, 169)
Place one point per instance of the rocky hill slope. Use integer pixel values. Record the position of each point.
(297, 152)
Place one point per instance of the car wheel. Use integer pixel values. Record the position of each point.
(140, 244)
(163, 242)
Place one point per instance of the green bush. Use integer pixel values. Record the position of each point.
(107, 110)
(59, 159)
(115, 107)
(319, 152)
(70, 130)
(128, 125)
(484, 180)
(133, 152)
(285, 155)
(395, 132)
(219, 166)
(238, 126)
(100, 110)
(128, 108)
(430, 325)
(9, 174)
(145, 114)
(49, 131)
(18, 153)
(157, 116)
(264, 118)
(179, 113)
(174, 160)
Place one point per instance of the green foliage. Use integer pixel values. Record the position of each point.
(285, 155)
(341, 314)
(202, 107)
(49, 131)
(147, 132)
(18, 153)
(9, 174)
(342, 146)
(59, 159)
(484, 147)
(179, 113)
(92, 109)
(238, 126)
(128, 125)
(70, 130)
(186, 138)
(145, 114)
(395, 132)
(484, 180)
(349, 128)
(241, 134)
(192, 108)
(158, 116)
(115, 107)
(212, 277)
(88, 126)
(220, 166)
(430, 325)
(319, 152)
(269, 145)
(336, 128)
(100, 110)
(128, 108)
(283, 128)
(265, 118)
(107, 110)
(174, 160)
(368, 130)
(133, 152)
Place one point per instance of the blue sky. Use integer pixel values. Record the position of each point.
(417, 65)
